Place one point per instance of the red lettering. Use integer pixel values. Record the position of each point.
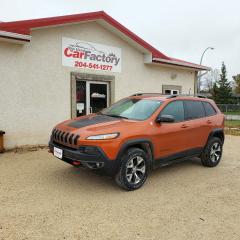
(81, 55)
(66, 52)
(73, 54)
(77, 54)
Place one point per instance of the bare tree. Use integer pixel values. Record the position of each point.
(209, 80)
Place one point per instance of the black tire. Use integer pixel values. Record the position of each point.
(211, 157)
(132, 157)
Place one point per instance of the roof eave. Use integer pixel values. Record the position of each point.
(14, 37)
(181, 64)
(25, 26)
(19, 31)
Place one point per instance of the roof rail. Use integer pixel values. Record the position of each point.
(169, 96)
(200, 96)
(140, 94)
(186, 95)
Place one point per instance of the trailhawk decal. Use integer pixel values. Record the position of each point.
(88, 55)
(91, 120)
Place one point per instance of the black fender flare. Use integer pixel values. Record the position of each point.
(138, 141)
(217, 132)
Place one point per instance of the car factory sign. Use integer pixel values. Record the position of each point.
(88, 55)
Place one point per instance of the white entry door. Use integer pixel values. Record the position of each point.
(92, 96)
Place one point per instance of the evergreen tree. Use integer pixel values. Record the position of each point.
(214, 92)
(222, 91)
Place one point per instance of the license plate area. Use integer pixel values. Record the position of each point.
(58, 152)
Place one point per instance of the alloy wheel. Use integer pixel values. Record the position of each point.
(215, 152)
(136, 169)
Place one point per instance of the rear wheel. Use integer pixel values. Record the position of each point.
(133, 170)
(212, 153)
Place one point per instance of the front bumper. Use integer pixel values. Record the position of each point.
(94, 160)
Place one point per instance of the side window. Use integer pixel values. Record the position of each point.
(194, 109)
(210, 111)
(176, 109)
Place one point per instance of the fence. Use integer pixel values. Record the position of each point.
(230, 109)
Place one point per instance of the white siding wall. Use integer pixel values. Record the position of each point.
(35, 87)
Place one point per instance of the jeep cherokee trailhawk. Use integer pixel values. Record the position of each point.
(140, 133)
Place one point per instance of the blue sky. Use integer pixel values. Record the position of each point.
(181, 29)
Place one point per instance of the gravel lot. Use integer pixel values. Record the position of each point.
(44, 198)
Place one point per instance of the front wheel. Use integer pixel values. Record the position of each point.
(212, 153)
(133, 170)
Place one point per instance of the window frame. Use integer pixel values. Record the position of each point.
(184, 111)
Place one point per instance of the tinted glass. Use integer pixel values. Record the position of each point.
(138, 109)
(209, 109)
(175, 109)
(194, 109)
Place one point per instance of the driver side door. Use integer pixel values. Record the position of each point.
(171, 139)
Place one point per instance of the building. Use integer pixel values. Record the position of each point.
(56, 68)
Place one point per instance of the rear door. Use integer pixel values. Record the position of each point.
(210, 120)
(196, 123)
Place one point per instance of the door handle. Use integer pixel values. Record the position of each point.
(209, 121)
(184, 126)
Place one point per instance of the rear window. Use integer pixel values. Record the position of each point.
(194, 109)
(209, 109)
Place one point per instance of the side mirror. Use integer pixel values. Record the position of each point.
(165, 119)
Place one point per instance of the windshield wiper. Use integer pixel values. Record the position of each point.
(116, 116)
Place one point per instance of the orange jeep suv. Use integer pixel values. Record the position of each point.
(140, 133)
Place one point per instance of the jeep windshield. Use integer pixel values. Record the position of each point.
(135, 109)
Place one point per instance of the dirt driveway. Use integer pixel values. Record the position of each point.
(44, 198)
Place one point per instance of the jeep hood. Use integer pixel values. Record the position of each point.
(97, 124)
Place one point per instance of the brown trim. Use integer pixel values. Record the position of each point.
(73, 96)
(196, 83)
(110, 79)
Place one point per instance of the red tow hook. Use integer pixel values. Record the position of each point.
(75, 163)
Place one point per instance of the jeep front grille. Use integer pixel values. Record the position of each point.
(64, 137)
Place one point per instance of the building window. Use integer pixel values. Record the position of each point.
(171, 89)
(171, 92)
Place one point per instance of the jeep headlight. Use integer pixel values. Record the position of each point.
(103, 136)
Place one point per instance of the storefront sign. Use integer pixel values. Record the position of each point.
(88, 55)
